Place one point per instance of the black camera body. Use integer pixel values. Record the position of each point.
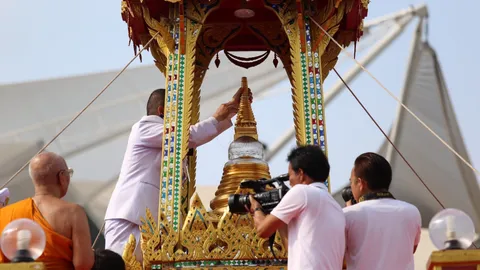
(268, 199)
(347, 195)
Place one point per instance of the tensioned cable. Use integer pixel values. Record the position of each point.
(388, 139)
(98, 235)
(397, 99)
(83, 110)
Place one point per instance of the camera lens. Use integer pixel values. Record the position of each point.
(238, 203)
(347, 194)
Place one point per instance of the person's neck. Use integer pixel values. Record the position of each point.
(47, 192)
(161, 115)
(368, 191)
(375, 194)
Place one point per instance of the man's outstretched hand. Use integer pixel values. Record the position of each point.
(238, 95)
(226, 110)
(230, 109)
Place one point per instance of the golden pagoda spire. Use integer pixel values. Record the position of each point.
(246, 154)
(245, 124)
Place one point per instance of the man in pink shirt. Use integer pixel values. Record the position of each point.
(381, 232)
(310, 221)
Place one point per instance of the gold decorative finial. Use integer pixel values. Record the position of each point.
(245, 124)
(246, 154)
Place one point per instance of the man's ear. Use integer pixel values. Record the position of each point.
(62, 178)
(300, 173)
(363, 184)
(160, 110)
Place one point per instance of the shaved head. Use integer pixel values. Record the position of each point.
(156, 99)
(44, 168)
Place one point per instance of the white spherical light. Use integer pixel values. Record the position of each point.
(23, 234)
(452, 229)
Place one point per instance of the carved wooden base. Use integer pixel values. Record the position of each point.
(22, 266)
(226, 265)
(454, 260)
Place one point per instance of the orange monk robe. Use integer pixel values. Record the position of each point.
(58, 253)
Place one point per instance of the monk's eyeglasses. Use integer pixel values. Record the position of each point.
(69, 171)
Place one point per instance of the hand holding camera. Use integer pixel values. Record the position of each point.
(347, 196)
(263, 198)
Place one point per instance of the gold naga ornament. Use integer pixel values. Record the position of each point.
(187, 35)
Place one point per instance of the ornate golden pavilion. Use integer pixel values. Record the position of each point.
(187, 36)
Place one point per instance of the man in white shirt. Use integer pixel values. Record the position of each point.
(138, 184)
(381, 232)
(308, 218)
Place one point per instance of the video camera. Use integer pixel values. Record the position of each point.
(347, 195)
(268, 199)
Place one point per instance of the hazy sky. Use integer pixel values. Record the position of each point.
(45, 39)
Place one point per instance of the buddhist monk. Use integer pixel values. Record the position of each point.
(65, 224)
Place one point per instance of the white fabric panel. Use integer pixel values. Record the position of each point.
(449, 179)
(53, 103)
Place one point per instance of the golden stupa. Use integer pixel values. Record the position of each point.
(246, 155)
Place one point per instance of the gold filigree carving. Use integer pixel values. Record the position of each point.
(196, 230)
(293, 32)
(191, 107)
(128, 256)
(233, 237)
(150, 239)
(165, 40)
(287, 14)
(365, 3)
(330, 19)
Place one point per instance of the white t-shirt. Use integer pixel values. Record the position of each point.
(316, 228)
(381, 234)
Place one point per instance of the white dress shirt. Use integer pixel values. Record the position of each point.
(139, 181)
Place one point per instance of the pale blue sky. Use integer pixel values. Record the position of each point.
(53, 38)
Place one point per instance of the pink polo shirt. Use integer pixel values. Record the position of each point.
(316, 228)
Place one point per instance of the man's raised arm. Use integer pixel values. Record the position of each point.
(204, 131)
(151, 130)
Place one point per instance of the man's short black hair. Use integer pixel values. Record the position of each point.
(311, 160)
(375, 170)
(156, 99)
(106, 259)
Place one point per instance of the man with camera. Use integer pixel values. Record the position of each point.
(308, 213)
(381, 232)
